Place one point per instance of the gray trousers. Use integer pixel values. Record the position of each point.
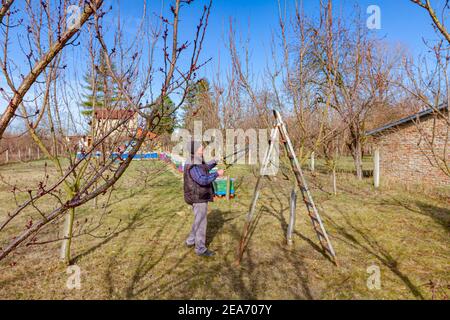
(198, 232)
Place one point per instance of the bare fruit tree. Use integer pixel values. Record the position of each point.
(360, 72)
(119, 126)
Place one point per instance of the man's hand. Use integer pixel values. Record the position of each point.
(221, 173)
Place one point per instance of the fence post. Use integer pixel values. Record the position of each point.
(29, 154)
(38, 153)
(20, 156)
(334, 181)
(313, 162)
(228, 188)
(376, 169)
(291, 226)
(7, 156)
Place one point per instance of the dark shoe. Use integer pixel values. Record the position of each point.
(190, 246)
(207, 254)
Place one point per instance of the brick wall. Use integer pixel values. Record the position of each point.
(405, 156)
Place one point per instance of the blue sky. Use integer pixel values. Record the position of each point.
(402, 23)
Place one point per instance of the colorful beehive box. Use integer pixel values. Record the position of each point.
(220, 187)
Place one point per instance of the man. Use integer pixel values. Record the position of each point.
(198, 192)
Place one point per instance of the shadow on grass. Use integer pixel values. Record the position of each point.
(370, 245)
(295, 261)
(283, 204)
(134, 221)
(150, 180)
(270, 208)
(216, 222)
(160, 266)
(185, 274)
(439, 214)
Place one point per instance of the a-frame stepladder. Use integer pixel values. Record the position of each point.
(280, 129)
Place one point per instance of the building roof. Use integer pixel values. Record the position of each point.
(150, 135)
(407, 120)
(116, 114)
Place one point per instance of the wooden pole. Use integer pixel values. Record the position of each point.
(7, 156)
(38, 154)
(376, 169)
(293, 207)
(334, 181)
(228, 188)
(29, 154)
(313, 162)
(20, 156)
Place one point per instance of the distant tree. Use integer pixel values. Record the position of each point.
(200, 106)
(355, 72)
(101, 90)
(168, 121)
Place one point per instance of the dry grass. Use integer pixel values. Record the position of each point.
(406, 234)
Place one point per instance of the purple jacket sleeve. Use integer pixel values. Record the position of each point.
(201, 178)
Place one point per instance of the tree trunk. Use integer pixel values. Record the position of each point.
(67, 242)
(356, 148)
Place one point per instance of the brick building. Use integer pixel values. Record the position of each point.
(104, 120)
(415, 149)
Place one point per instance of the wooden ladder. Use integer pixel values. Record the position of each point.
(280, 128)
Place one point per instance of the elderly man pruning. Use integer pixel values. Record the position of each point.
(198, 192)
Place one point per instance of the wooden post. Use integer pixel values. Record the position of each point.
(228, 188)
(38, 154)
(7, 156)
(334, 181)
(291, 226)
(29, 154)
(313, 162)
(376, 168)
(20, 156)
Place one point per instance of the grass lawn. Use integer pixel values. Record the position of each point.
(138, 250)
